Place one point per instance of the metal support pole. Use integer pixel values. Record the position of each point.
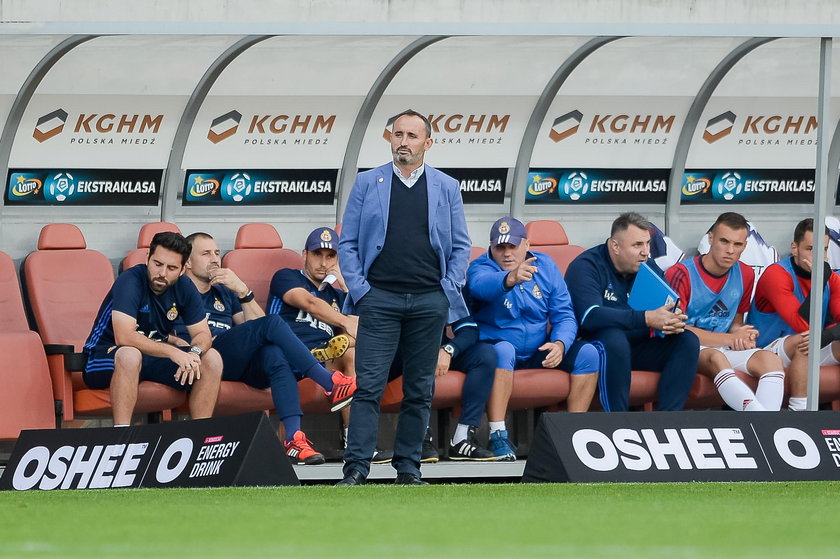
(821, 200)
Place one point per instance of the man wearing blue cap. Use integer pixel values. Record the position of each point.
(522, 307)
(310, 301)
(404, 253)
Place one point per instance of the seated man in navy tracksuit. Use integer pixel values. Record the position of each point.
(600, 281)
(259, 350)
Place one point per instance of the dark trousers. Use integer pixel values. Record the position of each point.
(478, 362)
(412, 324)
(263, 352)
(674, 356)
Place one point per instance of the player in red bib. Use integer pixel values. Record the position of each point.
(782, 309)
(715, 291)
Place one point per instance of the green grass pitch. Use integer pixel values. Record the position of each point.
(744, 520)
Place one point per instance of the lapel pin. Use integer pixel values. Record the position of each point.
(381, 179)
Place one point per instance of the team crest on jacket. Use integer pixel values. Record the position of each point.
(537, 292)
(335, 306)
(218, 305)
(325, 236)
(504, 228)
(172, 313)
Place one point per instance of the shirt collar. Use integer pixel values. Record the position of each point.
(413, 177)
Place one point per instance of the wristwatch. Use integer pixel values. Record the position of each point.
(197, 350)
(450, 349)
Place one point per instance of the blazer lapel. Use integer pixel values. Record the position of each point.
(383, 187)
(433, 190)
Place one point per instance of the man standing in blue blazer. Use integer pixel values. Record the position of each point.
(404, 251)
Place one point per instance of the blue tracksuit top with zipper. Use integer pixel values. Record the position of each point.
(600, 294)
(523, 314)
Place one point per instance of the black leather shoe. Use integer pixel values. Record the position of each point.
(355, 477)
(409, 479)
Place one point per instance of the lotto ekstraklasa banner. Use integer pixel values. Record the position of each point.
(84, 187)
(260, 187)
(480, 186)
(597, 186)
(748, 186)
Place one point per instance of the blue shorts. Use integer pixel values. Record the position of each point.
(100, 369)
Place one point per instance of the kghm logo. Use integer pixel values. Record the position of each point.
(542, 185)
(566, 125)
(60, 187)
(386, 134)
(719, 127)
(730, 185)
(203, 187)
(463, 123)
(50, 125)
(695, 185)
(24, 186)
(576, 186)
(224, 126)
(237, 187)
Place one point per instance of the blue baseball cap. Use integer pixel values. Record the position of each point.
(323, 237)
(507, 230)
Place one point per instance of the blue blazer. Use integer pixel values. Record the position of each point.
(366, 218)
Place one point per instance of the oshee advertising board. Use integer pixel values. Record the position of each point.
(83, 187)
(597, 186)
(235, 450)
(260, 187)
(691, 446)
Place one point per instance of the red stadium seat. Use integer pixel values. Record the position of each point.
(140, 255)
(549, 237)
(544, 232)
(475, 252)
(66, 283)
(537, 388)
(448, 389)
(26, 401)
(258, 253)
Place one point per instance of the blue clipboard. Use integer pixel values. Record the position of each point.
(650, 291)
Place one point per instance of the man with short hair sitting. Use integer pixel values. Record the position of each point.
(129, 339)
(260, 350)
(600, 280)
(715, 289)
(781, 310)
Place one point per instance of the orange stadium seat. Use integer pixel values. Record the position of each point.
(26, 401)
(475, 252)
(140, 255)
(258, 252)
(537, 388)
(550, 238)
(66, 283)
(448, 389)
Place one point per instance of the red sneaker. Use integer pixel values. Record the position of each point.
(343, 389)
(299, 449)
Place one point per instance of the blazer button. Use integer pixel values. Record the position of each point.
(378, 247)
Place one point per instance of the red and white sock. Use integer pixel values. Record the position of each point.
(771, 390)
(735, 393)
